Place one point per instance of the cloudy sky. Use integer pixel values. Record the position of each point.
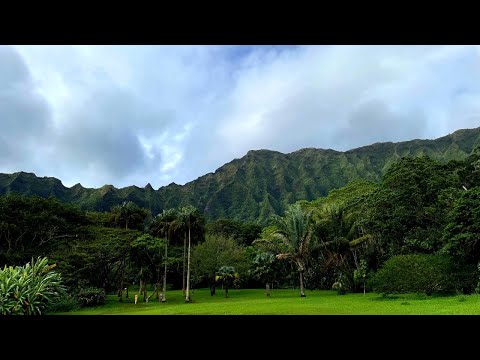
(129, 115)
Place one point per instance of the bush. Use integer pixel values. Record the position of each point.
(341, 284)
(413, 273)
(463, 278)
(27, 290)
(91, 296)
(63, 303)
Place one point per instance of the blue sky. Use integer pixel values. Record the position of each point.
(126, 115)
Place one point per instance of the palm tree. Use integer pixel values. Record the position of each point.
(181, 223)
(295, 237)
(162, 226)
(129, 213)
(226, 274)
(194, 220)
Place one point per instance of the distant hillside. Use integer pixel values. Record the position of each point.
(259, 184)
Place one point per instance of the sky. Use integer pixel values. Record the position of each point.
(132, 115)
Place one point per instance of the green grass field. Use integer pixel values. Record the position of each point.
(288, 302)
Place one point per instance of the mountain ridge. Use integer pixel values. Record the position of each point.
(261, 183)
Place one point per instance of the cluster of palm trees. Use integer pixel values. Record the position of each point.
(294, 237)
(328, 235)
(184, 220)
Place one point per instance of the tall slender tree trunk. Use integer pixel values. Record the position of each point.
(164, 297)
(212, 287)
(141, 285)
(302, 290)
(187, 295)
(158, 284)
(120, 294)
(184, 261)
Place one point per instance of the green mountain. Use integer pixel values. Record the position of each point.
(257, 185)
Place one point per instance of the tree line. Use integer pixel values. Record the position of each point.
(422, 218)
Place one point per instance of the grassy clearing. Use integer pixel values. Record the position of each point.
(288, 302)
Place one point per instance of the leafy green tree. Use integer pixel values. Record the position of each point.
(462, 233)
(27, 290)
(404, 213)
(146, 255)
(213, 253)
(360, 274)
(98, 258)
(244, 233)
(33, 227)
(469, 169)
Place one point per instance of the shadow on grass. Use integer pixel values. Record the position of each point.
(420, 296)
(386, 297)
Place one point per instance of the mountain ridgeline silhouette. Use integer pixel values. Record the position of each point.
(259, 184)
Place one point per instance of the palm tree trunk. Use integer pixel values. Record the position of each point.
(120, 294)
(187, 296)
(158, 284)
(140, 289)
(302, 291)
(164, 298)
(184, 261)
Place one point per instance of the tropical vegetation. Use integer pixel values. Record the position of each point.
(413, 230)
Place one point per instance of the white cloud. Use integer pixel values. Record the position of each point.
(155, 114)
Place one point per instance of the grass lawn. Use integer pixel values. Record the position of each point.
(288, 302)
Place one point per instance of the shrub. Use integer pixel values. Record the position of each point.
(91, 296)
(413, 273)
(65, 302)
(27, 290)
(462, 278)
(341, 284)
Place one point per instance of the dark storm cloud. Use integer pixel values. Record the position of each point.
(24, 114)
(373, 122)
(102, 135)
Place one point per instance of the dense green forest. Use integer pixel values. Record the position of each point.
(260, 184)
(415, 230)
